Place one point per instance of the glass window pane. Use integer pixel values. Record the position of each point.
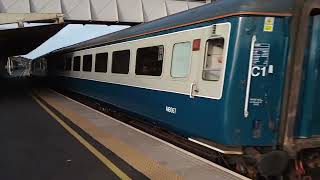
(68, 64)
(181, 60)
(120, 62)
(76, 63)
(87, 63)
(101, 62)
(214, 59)
(60, 65)
(149, 61)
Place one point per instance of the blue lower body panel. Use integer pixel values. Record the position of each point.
(194, 117)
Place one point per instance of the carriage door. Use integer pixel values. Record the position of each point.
(211, 76)
(309, 116)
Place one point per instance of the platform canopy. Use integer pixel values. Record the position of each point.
(20, 41)
(97, 11)
(60, 12)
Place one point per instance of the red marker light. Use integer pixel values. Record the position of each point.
(196, 45)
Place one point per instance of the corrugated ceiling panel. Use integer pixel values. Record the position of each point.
(45, 6)
(154, 9)
(104, 10)
(76, 9)
(176, 6)
(14, 6)
(194, 4)
(130, 11)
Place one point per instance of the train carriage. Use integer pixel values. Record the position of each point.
(226, 75)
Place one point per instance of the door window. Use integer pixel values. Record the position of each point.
(214, 58)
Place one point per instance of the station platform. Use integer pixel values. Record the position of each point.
(50, 136)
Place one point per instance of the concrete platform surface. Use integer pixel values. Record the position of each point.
(151, 156)
(34, 146)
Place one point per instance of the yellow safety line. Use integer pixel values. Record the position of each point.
(142, 162)
(93, 150)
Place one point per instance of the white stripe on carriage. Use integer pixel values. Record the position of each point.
(154, 89)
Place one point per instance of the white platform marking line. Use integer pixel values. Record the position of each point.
(214, 148)
(160, 140)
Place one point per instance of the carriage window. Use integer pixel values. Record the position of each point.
(120, 62)
(149, 61)
(214, 59)
(87, 63)
(60, 65)
(181, 60)
(76, 63)
(68, 64)
(101, 62)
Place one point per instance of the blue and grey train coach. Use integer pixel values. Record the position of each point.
(239, 77)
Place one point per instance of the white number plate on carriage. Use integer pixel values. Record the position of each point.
(171, 110)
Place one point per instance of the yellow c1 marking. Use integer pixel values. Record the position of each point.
(92, 149)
